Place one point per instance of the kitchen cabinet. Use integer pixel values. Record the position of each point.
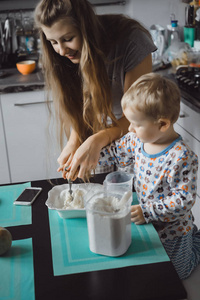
(188, 126)
(32, 148)
(4, 167)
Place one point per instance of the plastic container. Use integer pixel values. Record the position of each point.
(194, 58)
(109, 231)
(54, 201)
(174, 34)
(118, 182)
(189, 35)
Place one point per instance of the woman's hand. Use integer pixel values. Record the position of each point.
(67, 154)
(137, 215)
(85, 159)
(65, 158)
(87, 155)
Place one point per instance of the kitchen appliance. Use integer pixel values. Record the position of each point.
(188, 80)
(18, 40)
(158, 35)
(189, 28)
(7, 55)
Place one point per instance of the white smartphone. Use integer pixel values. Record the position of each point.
(28, 196)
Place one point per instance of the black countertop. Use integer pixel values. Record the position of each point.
(11, 81)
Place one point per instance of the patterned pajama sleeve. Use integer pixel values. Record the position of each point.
(120, 152)
(181, 179)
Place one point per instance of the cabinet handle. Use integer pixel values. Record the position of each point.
(31, 103)
(182, 115)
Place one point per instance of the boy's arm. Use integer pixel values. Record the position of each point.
(120, 152)
(182, 180)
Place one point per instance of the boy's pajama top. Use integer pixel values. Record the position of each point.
(165, 183)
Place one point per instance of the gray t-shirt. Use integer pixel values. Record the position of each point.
(125, 56)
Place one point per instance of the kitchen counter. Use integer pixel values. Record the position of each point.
(11, 81)
(187, 99)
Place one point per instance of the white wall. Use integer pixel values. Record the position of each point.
(148, 12)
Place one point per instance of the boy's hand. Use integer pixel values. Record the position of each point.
(137, 215)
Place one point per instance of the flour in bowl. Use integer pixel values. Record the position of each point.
(72, 201)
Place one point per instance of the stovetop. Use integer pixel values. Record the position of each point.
(188, 80)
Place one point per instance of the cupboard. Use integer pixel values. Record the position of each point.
(32, 148)
(188, 126)
(4, 168)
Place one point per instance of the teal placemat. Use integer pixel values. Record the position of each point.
(10, 214)
(16, 272)
(71, 253)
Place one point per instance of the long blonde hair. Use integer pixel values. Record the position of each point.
(81, 93)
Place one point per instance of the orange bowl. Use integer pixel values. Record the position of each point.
(26, 67)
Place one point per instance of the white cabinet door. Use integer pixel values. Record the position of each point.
(4, 166)
(188, 126)
(184, 129)
(32, 152)
(196, 212)
(190, 120)
(195, 146)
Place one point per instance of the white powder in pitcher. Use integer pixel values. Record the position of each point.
(109, 228)
(107, 204)
(72, 201)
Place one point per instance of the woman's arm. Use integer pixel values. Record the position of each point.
(142, 68)
(87, 155)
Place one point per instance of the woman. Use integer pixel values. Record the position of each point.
(89, 62)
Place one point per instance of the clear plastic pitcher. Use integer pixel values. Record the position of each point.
(109, 229)
(118, 182)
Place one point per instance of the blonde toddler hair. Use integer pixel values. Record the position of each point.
(155, 96)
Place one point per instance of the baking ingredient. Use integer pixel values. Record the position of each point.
(5, 240)
(109, 225)
(74, 200)
(106, 204)
(111, 204)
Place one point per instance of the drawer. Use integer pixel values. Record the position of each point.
(31, 140)
(190, 121)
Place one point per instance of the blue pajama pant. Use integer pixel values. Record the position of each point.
(184, 252)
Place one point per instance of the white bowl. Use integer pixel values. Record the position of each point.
(54, 201)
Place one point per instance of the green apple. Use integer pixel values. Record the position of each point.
(5, 240)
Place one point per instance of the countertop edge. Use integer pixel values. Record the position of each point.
(39, 84)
